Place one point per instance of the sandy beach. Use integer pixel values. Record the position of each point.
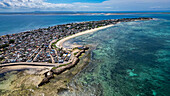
(60, 43)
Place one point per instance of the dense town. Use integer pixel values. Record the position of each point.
(34, 46)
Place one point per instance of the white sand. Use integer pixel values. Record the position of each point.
(60, 43)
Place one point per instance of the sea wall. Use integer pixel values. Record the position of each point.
(50, 74)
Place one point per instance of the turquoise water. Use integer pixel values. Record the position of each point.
(130, 59)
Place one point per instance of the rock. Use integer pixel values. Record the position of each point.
(58, 70)
(50, 75)
(45, 80)
(86, 48)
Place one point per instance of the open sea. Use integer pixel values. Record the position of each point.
(130, 58)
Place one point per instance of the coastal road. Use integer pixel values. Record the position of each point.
(34, 64)
(52, 43)
(52, 59)
(33, 54)
(37, 55)
(29, 64)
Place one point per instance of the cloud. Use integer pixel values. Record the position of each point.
(127, 5)
(31, 4)
(108, 5)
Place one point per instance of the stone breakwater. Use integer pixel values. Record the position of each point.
(50, 74)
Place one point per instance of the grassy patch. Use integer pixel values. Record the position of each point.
(54, 44)
(54, 67)
(81, 55)
(62, 65)
(2, 58)
(75, 48)
(4, 45)
(75, 53)
(57, 40)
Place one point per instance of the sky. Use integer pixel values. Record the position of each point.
(83, 5)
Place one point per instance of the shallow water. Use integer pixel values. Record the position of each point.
(131, 59)
(6, 79)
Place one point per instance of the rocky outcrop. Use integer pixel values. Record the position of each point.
(86, 48)
(45, 80)
(48, 76)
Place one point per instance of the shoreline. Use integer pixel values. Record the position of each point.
(60, 42)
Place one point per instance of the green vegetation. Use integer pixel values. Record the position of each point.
(81, 55)
(49, 61)
(75, 48)
(5, 49)
(4, 45)
(75, 53)
(61, 65)
(54, 67)
(11, 41)
(90, 25)
(59, 49)
(99, 26)
(53, 44)
(1, 58)
(61, 55)
(57, 40)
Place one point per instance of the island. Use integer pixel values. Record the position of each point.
(43, 48)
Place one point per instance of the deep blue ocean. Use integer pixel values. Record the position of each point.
(10, 24)
(130, 58)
